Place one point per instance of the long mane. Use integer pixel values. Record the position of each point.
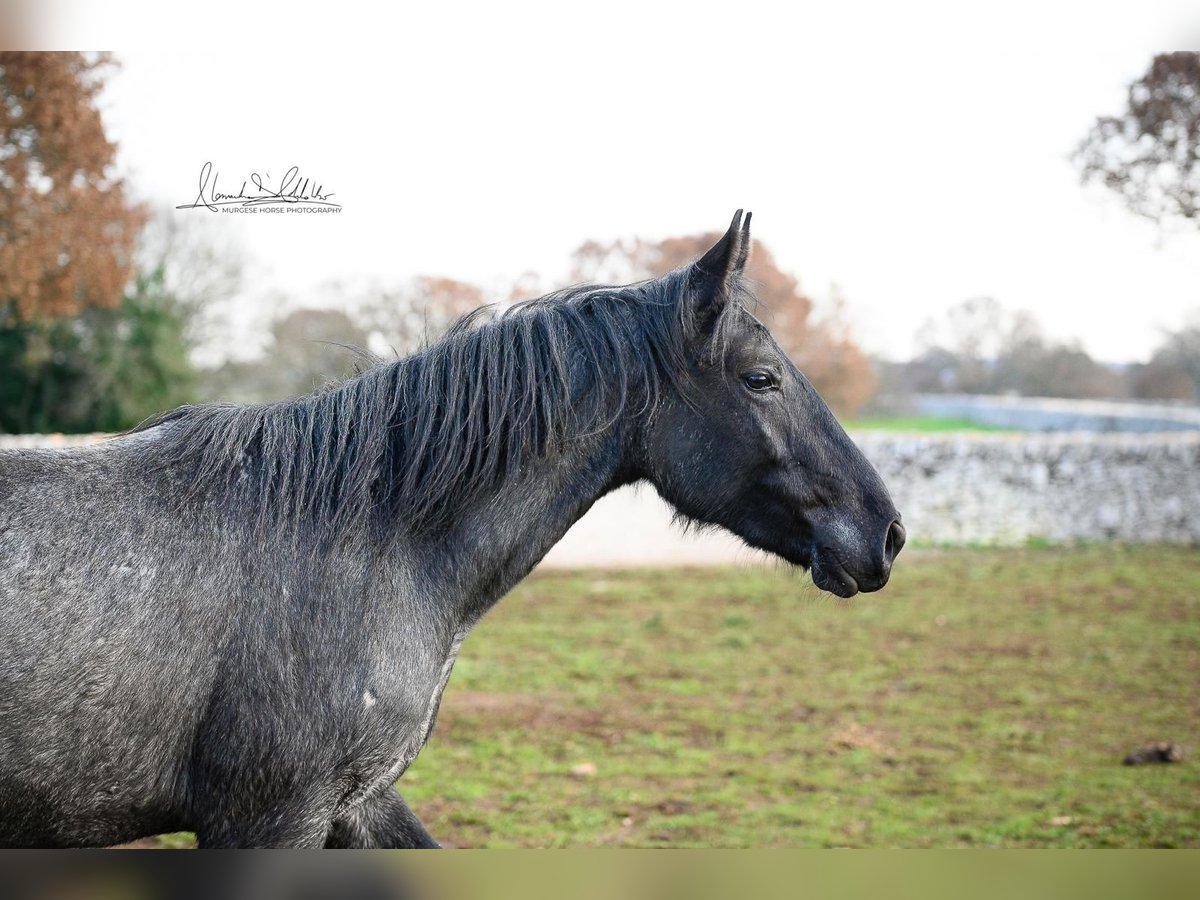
(408, 442)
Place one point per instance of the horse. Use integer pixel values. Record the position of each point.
(239, 620)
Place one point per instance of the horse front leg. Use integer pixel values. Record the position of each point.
(384, 821)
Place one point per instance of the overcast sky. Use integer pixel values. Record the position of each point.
(915, 155)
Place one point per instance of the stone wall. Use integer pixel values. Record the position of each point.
(956, 489)
(991, 488)
(977, 488)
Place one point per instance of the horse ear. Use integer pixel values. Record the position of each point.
(712, 275)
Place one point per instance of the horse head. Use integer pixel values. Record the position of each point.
(747, 443)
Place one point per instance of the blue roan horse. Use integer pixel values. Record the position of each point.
(239, 620)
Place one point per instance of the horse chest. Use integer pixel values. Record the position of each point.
(415, 729)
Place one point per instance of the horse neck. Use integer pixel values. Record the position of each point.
(497, 541)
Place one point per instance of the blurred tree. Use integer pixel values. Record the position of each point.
(406, 318)
(823, 349)
(1030, 364)
(308, 349)
(103, 369)
(1043, 369)
(1150, 154)
(67, 230)
(311, 347)
(137, 356)
(982, 348)
(1159, 381)
(1180, 353)
(91, 339)
(202, 267)
(933, 371)
(970, 335)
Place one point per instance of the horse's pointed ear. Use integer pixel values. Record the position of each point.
(713, 274)
(728, 255)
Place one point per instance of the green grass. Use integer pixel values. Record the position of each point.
(930, 424)
(984, 699)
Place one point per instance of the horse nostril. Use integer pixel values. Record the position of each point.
(895, 541)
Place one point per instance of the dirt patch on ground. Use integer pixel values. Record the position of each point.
(505, 711)
(860, 737)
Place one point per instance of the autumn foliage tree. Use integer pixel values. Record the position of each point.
(824, 350)
(1150, 152)
(311, 346)
(87, 342)
(67, 229)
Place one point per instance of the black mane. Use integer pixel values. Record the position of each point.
(407, 442)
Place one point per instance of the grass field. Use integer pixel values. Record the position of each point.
(930, 424)
(985, 698)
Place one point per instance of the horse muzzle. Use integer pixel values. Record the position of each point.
(846, 561)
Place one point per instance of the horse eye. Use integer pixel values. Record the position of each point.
(759, 381)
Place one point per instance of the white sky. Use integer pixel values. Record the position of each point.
(915, 155)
